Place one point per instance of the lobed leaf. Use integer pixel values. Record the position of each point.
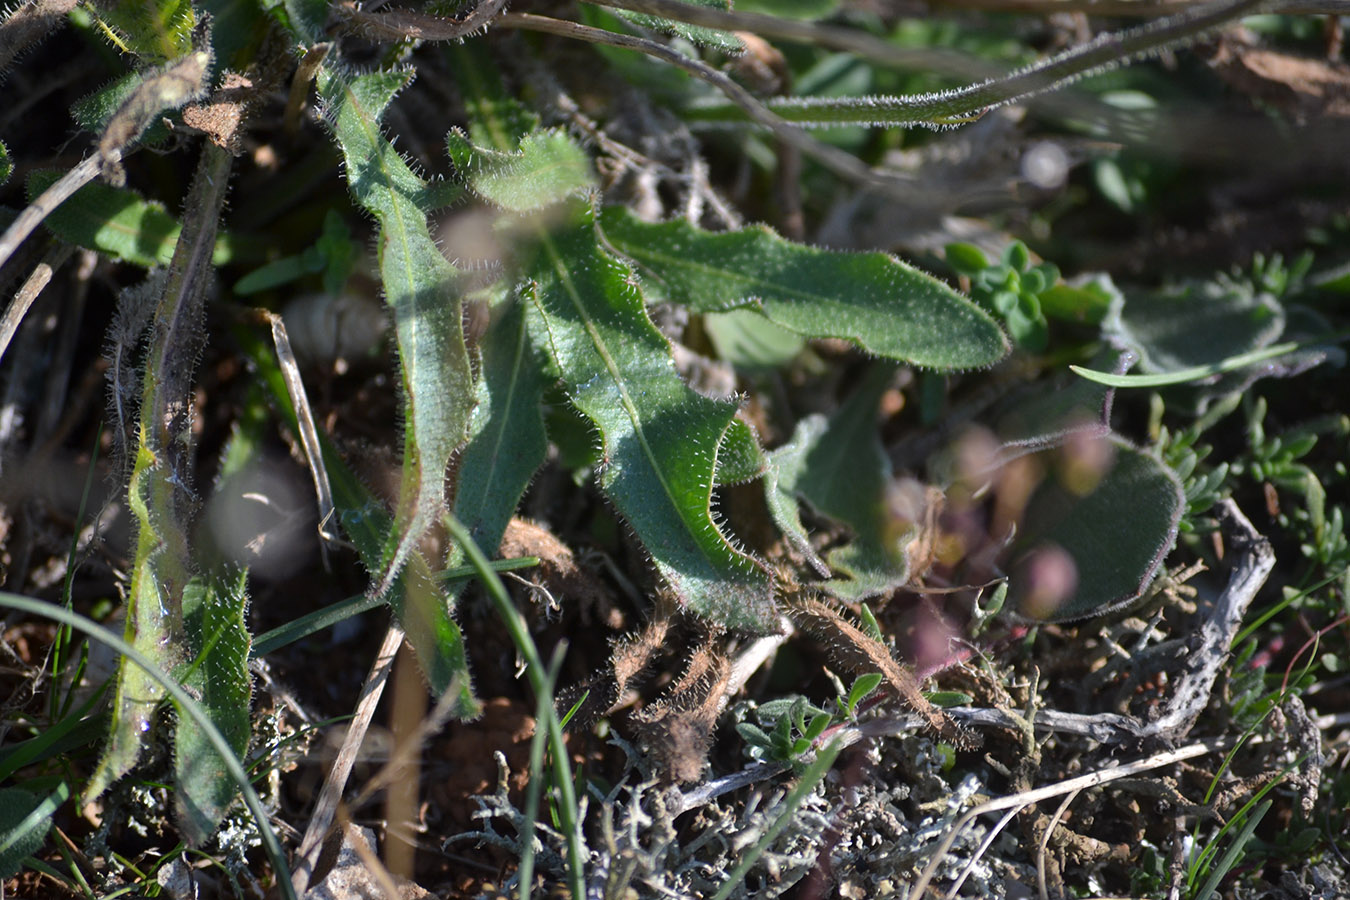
(661, 440)
(879, 303)
(419, 285)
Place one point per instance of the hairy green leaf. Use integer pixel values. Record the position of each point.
(784, 470)
(414, 598)
(1162, 328)
(661, 439)
(150, 625)
(21, 832)
(159, 492)
(872, 299)
(6, 163)
(740, 458)
(496, 119)
(839, 467)
(118, 222)
(214, 622)
(420, 287)
(548, 167)
(1095, 532)
(969, 103)
(508, 443)
(156, 30)
(747, 340)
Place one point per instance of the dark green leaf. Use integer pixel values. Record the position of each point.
(420, 288)
(840, 468)
(660, 438)
(508, 442)
(24, 822)
(874, 300)
(116, 221)
(749, 341)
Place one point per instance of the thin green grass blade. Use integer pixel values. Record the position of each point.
(661, 439)
(568, 821)
(437, 379)
(879, 303)
(320, 619)
(1195, 373)
(814, 774)
(76, 729)
(1234, 852)
(546, 719)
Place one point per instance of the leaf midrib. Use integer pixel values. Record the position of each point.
(602, 348)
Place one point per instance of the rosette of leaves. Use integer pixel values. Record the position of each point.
(573, 309)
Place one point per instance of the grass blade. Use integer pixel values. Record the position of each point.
(813, 775)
